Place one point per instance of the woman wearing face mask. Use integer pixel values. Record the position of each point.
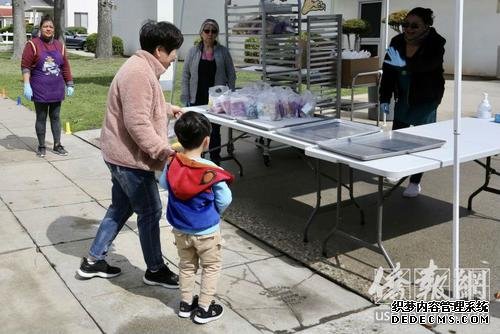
(46, 76)
(207, 64)
(413, 73)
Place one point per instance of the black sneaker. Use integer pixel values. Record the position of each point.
(186, 309)
(99, 269)
(214, 312)
(163, 277)
(59, 149)
(41, 151)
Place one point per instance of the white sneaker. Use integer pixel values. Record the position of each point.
(412, 190)
(392, 180)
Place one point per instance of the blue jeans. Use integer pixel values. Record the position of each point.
(133, 191)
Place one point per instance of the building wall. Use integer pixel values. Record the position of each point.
(128, 17)
(481, 25)
(79, 6)
(481, 40)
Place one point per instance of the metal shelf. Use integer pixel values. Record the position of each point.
(247, 25)
(323, 60)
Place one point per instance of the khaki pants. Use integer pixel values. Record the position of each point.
(196, 250)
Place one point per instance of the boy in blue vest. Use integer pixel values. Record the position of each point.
(197, 195)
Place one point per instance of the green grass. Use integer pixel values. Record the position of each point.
(92, 77)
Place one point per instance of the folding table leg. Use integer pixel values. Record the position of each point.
(338, 213)
(230, 149)
(351, 195)
(487, 178)
(380, 217)
(317, 175)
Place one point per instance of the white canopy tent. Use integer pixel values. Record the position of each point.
(456, 129)
(457, 113)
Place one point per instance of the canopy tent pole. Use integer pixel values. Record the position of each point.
(175, 63)
(386, 45)
(457, 113)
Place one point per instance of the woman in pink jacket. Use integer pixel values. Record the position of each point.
(134, 144)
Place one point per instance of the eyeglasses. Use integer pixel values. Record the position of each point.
(208, 31)
(407, 25)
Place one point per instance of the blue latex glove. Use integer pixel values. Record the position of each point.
(384, 108)
(28, 92)
(70, 90)
(395, 58)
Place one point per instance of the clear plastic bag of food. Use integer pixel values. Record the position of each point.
(213, 93)
(268, 106)
(308, 104)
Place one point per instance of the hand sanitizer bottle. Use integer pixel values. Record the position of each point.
(484, 108)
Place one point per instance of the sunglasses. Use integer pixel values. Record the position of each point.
(406, 25)
(208, 31)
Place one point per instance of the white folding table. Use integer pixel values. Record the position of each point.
(479, 139)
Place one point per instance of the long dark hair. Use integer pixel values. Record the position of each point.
(44, 19)
(426, 14)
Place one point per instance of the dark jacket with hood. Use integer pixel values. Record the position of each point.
(425, 69)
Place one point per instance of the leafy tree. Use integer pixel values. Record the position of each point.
(104, 47)
(59, 19)
(19, 28)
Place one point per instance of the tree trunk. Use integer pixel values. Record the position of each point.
(19, 28)
(104, 47)
(59, 19)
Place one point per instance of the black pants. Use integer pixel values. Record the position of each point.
(400, 125)
(54, 110)
(215, 141)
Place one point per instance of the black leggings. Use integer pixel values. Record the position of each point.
(54, 110)
(415, 178)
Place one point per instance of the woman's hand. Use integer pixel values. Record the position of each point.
(28, 92)
(395, 58)
(176, 111)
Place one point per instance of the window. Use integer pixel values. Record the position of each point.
(371, 11)
(81, 20)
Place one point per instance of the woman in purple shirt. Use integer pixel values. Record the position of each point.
(46, 75)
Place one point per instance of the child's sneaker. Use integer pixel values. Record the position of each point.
(214, 312)
(186, 309)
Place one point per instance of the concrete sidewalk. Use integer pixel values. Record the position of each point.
(50, 209)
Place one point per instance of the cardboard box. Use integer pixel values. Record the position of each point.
(351, 67)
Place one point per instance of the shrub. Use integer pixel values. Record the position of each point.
(252, 47)
(396, 19)
(10, 28)
(91, 42)
(357, 27)
(117, 44)
(77, 30)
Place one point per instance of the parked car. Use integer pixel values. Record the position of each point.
(76, 41)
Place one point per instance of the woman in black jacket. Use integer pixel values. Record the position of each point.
(413, 73)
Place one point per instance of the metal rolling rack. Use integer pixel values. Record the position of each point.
(275, 56)
(324, 60)
(353, 105)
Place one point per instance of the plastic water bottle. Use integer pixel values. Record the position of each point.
(484, 108)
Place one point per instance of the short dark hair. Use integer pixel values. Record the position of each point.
(426, 14)
(165, 34)
(44, 19)
(191, 128)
